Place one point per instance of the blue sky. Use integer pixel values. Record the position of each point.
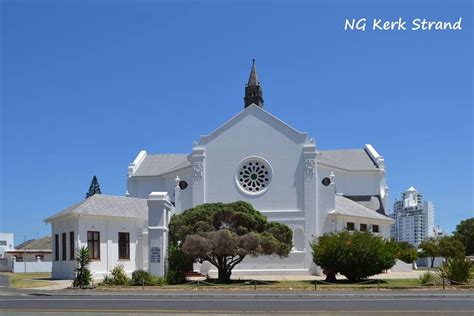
(87, 84)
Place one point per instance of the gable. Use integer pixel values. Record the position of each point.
(248, 118)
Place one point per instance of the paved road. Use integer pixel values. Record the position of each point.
(398, 302)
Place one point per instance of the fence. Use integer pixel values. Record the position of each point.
(318, 285)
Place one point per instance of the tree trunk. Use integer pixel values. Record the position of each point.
(224, 275)
(432, 261)
(331, 277)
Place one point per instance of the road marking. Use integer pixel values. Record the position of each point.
(95, 299)
(175, 311)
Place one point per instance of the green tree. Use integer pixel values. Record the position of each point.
(451, 247)
(356, 255)
(407, 252)
(465, 233)
(224, 234)
(430, 248)
(83, 274)
(94, 188)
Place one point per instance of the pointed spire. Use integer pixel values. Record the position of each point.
(253, 90)
(253, 79)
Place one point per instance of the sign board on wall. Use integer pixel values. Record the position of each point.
(155, 254)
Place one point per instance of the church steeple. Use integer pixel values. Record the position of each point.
(253, 90)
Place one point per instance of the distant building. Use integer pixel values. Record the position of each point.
(414, 218)
(34, 255)
(439, 233)
(6, 243)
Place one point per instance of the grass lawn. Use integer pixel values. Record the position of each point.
(28, 280)
(249, 285)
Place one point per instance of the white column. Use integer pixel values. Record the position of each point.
(197, 159)
(159, 209)
(310, 198)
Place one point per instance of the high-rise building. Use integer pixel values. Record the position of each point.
(414, 218)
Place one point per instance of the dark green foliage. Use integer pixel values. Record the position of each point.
(224, 234)
(406, 252)
(465, 234)
(451, 247)
(94, 188)
(457, 270)
(356, 255)
(179, 263)
(427, 278)
(83, 274)
(140, 277)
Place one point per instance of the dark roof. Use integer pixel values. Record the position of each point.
(39, 244)
(155, 165)
(374, 202)
(349, 159)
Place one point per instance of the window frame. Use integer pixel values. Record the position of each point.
(93, 244)
(124, 246)
(72, 247)
(363, 225)
(377, 230)
(64, 246)
(352, 224)
(56, 247)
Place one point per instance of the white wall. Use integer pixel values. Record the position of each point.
(141, 187)
(109, 228)
(63, 269)
(6, 243)
(339, 223)
(356, 182)
(256, 134)
(32, 267)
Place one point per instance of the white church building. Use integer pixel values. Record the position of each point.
(254, 157)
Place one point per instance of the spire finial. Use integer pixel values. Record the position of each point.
(253, 90)
(253, 79)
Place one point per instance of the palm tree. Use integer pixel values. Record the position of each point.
(83, 274)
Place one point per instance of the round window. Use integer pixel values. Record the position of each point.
(253, 175)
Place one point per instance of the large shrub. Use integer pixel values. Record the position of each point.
(457, 270)
(224, 234)
(427, 278)
(140, 277)
(178, 264)
(119, 276)
(356, 255)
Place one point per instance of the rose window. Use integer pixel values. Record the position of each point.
(254, 175)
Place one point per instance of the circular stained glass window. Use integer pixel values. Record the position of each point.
(254, 175)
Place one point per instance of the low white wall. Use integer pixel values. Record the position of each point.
(401, 266)
(38, 266)
(426, 262)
